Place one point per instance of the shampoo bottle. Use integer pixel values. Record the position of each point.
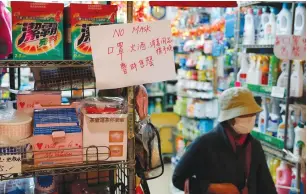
(281, 128)
(258, 72)
(283, 178)
(273, 71)
(249, 28)
(263, 117)
(284, 21)
(264, 70)
(270, 28)
(283, 77)
(299, 21)
(275, 165)
(158, 106)
(296, 89)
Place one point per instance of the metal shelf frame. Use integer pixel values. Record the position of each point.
(42, 64)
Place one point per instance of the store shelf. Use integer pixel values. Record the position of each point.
(156, 94)
(263, 3)
(38, 63)
(248, 3)
(30, 171)
(201, 98)
(192, 117)
(257, 46)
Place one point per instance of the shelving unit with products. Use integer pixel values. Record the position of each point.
(278, 138)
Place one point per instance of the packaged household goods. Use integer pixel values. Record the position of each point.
(79, 17)
(104, 125)
(26, 100)
(37, 30)
(57, 136)
(300, 20)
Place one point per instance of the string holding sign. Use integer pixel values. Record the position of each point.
(290, 47)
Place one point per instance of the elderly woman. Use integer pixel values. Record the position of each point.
(227, 160)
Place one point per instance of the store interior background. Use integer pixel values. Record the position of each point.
(209, 60)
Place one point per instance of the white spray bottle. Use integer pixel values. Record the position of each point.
(274, 119)
(282, 128)
(242, 74)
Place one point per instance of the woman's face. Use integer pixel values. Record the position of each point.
(243, 124)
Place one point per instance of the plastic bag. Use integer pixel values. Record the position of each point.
(148, 151)
(104, 105)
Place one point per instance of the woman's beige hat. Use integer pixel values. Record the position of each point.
(235, 102)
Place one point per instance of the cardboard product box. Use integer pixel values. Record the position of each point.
(27, 99)
(37, 31)
(57, 137)
(107, 133)
(78, 19)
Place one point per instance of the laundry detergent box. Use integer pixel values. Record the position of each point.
(57, 136)
(78, 18)
(37, 31)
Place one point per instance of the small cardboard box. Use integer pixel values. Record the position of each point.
(27, 99)
(57, 137)
(107, 134)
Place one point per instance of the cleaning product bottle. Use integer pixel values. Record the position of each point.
(265, 70)
(263, 117)
(274, 118)
(258, 72)
(242, 74)
(283, 177)
(296, 88)
(158, 106)
(275, 165)
(281, 128)
(264, 20)
(249, 28)
(284, 21)
(293, 181)
(257, 19)
(283, 77)
(251, 77)
(270, 28)
(300, 140)
(299, 21)
(273, 71)
(5, 32)
(151, 107)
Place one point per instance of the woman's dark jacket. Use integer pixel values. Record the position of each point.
(211, 159)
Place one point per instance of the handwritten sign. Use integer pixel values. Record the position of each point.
(290, 47)
(10, 164)
(132, 54)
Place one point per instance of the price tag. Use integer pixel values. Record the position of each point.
(10, 164)
(278, 92)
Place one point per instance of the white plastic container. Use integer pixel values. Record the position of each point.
(274, 119)
(249, 28)
(257, 19)
(300, 140)
(296, 89)
(283, 77)
(263, 22)
(270, 29)
(242, 74)
(258, 72)
(251, 77)
(281, 129)
(263, 117)
(300, 20)
(284, 21)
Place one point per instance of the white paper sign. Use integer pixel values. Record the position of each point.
(290, 47)
(278, 92)
(132, 54)
(10, 164)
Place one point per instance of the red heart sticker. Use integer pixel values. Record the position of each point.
(39, 145)
(22, 104)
